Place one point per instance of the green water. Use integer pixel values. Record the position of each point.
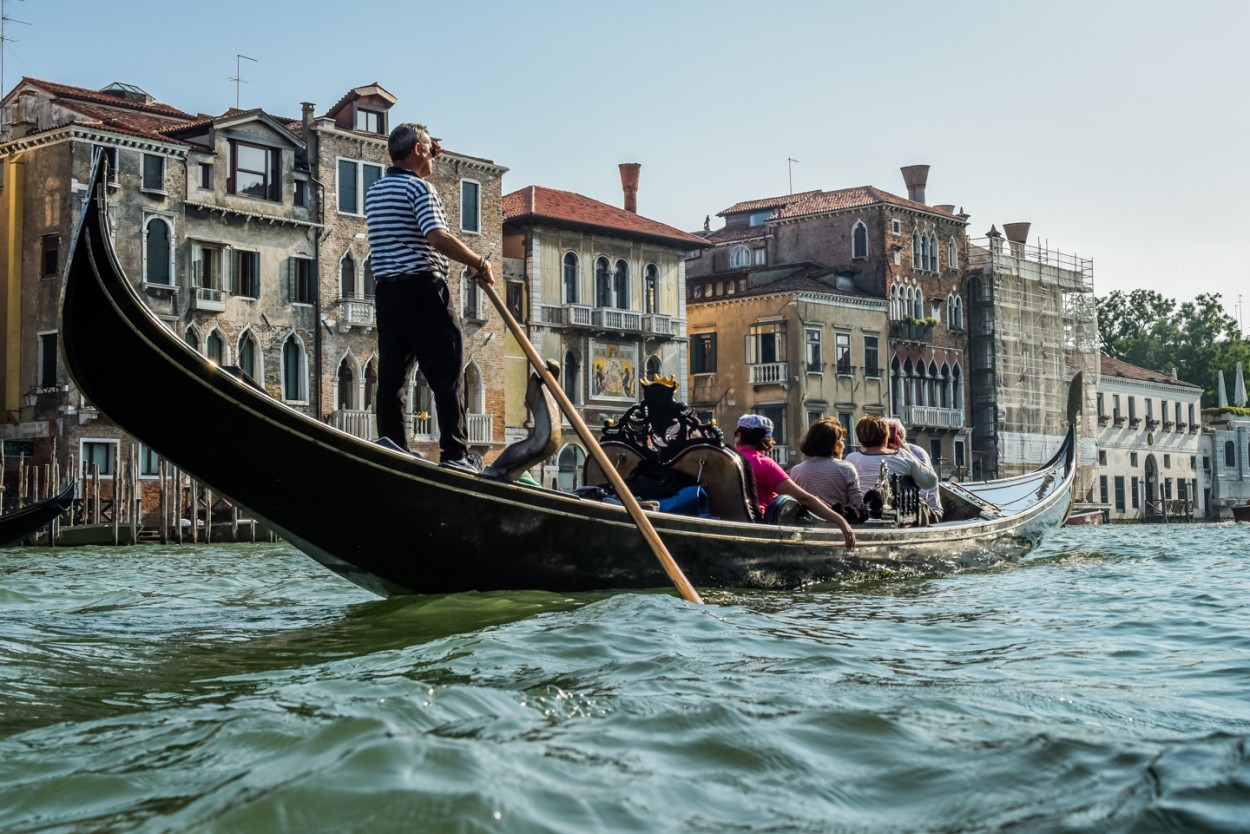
(1101, 685)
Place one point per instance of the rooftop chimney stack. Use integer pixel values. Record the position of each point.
(1018, 235)
(629, 184)
(307, 108)
(916, 177)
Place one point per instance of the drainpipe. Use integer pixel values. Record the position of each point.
(311, 155)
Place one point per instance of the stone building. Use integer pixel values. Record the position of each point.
(1033, 326)
(871, 244)
(347, 153)
(243, 232)
(600, 290)
(1147, 445)
(1226, 450)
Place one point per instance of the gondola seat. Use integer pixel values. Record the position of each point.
(720, 471)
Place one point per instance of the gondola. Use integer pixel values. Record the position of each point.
(32, 518)
(395, 524)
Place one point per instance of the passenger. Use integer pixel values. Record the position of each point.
(873, 435)
(898, 440)
(825, 475)
(753, 438)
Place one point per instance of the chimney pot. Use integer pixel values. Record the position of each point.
(916, 177)
(629, 184)
(1017, 232)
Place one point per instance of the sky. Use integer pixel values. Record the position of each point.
(1117, 129)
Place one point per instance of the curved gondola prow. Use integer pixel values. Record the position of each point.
(32, 518)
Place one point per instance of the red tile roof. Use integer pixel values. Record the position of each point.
(801, 278)
(818, 202)
(728, 235)
(565, 206)
(1107, 366)
(67, 91)
(766, 203)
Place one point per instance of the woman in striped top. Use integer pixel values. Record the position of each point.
(825, 475)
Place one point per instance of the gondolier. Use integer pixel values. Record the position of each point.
(409, 250)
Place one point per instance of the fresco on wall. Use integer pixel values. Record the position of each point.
(614, 370)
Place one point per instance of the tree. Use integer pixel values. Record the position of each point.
(1197, 338)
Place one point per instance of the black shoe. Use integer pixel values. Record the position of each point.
(464, 464)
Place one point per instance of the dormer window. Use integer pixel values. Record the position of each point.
(758, 218)
(370, 121)
(254, 171)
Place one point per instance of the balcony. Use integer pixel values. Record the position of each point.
(780, 454)
(481, 427)
(1179, 426)
(1153, 423)
(931, 417)
(209, 300)
(1134, 422)
(657, 324)
(356, 312)
(911, 330)
(610, 318)
(1120, 420)
(1104, 419)
(355, 422)
(1168, 425)
(771, 373)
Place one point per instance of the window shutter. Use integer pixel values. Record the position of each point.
(711, 360)
(234, 271)
(290, 280)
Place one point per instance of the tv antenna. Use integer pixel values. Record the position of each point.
(790, 161)
(5, 19)
(237, 78)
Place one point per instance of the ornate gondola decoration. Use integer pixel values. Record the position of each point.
(659, 427)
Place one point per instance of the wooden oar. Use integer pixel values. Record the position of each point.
(583, 431)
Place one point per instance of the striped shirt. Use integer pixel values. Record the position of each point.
(902, 462)
(402, 209)
(831, 480)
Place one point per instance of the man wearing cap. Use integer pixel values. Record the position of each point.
(753, 438)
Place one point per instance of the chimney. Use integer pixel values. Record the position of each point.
(1018, 235)
(916, 176)
(24, 121)
(629, 184)
(307, 133)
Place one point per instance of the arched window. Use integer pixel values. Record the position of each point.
(421, 406)
(933, 253)
(371, 386)
(654, 367)
(918, 305)
(570, 277)
(620, 285)
(952, 254)
(214, 348)
(915, 249)
(570, 377)
(570, 461)
(603, 283)
(859, 240)
(346, 385)
(474, 390)
(1230, 454)
(192, 339)
(370, 283)
(157, 252)
(294, 380)
(739, 256)
(347, 277)
(899, 386)
(651, 289)
(247, 357)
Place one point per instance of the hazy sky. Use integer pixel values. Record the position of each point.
(1118, 129)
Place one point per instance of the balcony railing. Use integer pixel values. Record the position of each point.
(772, 373)
(928, 416)
(209, 300)
(1168, 425)
(781, 454)
(614, 319)
(356, 312)
(481, 428)
(911, 331)
(355, 422)
(656, 323)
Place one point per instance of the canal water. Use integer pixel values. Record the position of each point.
(1100, 685)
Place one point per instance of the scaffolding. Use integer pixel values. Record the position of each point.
(1033, 327)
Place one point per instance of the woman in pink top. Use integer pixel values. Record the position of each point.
(753, 438)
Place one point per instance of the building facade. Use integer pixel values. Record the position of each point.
(1148, 445)
(908, 256)
(237, 232)
(600, 291)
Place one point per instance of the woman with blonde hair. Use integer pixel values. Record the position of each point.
(873, 434)
(824, 474)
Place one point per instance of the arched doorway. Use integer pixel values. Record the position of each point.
(570, 462)
(1152, 488)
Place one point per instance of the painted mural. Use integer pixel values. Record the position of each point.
(614, 370)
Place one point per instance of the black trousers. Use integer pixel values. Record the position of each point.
(417, 323)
